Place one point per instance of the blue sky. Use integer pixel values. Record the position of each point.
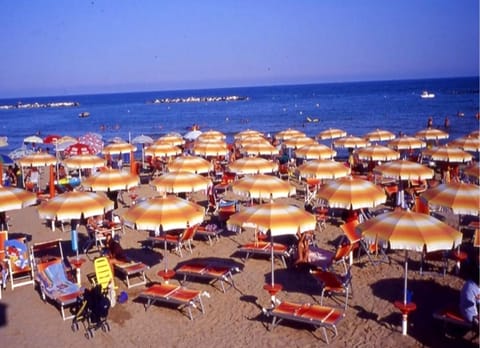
(53, 47)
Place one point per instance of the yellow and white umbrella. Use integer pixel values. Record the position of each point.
(315, 151)
(162, 149)
(214, 147)
(75, 205)
(331, 133)
(193, 164)
(252, 165)
(164, 213)
(261, 148)
(84, 162)
(118, 148)
(431, 134)
(172, 139)
(404, 170)
(262, 186)
(448, 154)
(379, 135)
(296, 142)
(37, 159)
(351, 193)
(406, 230)
(467, 143)
(111, 180)
(212, 135)
(289, 133)
(179, 182)
(473, 170)
(323, 169)
(350, 142)
(406, 143)
(377, 153)
(247, 133)
(12, 198)
(460, 197)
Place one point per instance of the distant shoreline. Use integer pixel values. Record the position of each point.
(36, 105)
(197, 99)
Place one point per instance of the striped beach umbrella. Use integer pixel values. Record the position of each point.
(404, 170)
(261, 148)
(111, 180)
(460, 197)
(210, 147)
(119, 149)
(296, 142)
(172, 139)
(406, 230)
(37, 159)
(448, 154)
(262, 186)
(164, 213)
(75, 205)
(323, 169)
(432, 134)
(351, 193)
(379, 135)
(212, 135)
(84, 162)
(289, 133)
(350, 142)
(467, 143)
(247, 133)
(12, 198)
(178, 182)
(331, 133)
(193, 164)
(473, 170)
(377, 153)
(315, 151)
(162, 149)
(406, 143)
(252, 165)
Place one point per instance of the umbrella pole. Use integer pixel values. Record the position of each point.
(405, 280)
(272, 262)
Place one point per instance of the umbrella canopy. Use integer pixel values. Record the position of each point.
(289, 133)
(350, 142)
(210, 147)
(3, 141)
(20, 152)
(75, 205)
(212, 135)
(84, 162)
(119, 148)
(4, 159)
(259, 149)
(379, 135)
(351, 193)
(193, 164)
(176, 182)
(448, 154)
(296, 142)
(33, 139)
(12, 198)
(162, 149)
(473, 170)
(461, 198)
(331, 133)
(93, 140)
(167, 213)
(142, 139)
(79, 149)
(315, 151)
(377, 153)
(111, 180)
(406, 230)
(51, 139)
(252, 165)
(172, 139)
(262, 186)
(323, 169)
(467, 143)
(65, 142)
(37, 159)
(404, 170)
(247, 133)
(431, 134)
(192, 135)
(406, 143)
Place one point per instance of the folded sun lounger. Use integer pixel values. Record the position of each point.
(280, 251)
(211, 272)
(169, 293)
(319, 316)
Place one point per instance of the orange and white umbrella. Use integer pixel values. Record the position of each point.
(214, 147)
(473, 170)
(460, 197)
(406, 143)
(323, 169)
(404, 170)
(254, 139)
(118, 149)
(351, 193)
(162, 149)
(315, 151)
(379, 135)
(172, 139)
(37, 159)
(289, 133)
(467, 143)
(177, 182)
(111, 180)
(252, 165)
(377, 153)
(12, 198)
(259, 148)
(84, 162)
(296, 142)
(247, 133)
(193, 164)
(431, 134)
(350, 142)
(262, 186)
(331, 133)
(475, 133)
(406, 230)
(448, 154)
(212, 135)
(164, 213)
(75, 205)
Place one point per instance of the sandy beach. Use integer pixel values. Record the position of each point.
(235, 318)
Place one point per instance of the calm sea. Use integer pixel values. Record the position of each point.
(356, 107)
